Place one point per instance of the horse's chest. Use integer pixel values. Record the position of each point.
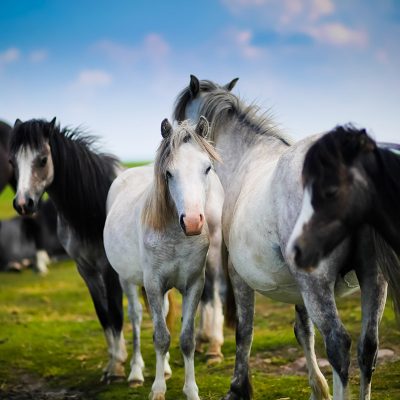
(175, 259)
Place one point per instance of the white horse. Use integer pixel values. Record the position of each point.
(261, 175)
(157, 234)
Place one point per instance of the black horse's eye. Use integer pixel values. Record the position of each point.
(208, 170)
(43, 161)
(331, 192)
(168, 175)
(11, 162)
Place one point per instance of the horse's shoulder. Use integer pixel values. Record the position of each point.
(129, 183)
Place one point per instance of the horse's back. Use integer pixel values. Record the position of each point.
(129, 183)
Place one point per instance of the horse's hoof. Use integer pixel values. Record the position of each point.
(233, 396)
(134, 383)
(214, 359)
(157, 396)
(114, 379)
(167, 375)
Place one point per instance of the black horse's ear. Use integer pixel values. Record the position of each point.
(17, 123)
(166, 128)
(194, 86)
(229, 86)
(53, 122)
(366, 143)
(202, 127)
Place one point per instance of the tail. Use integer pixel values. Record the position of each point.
(230, 303)
(389, 264)
(172, 309)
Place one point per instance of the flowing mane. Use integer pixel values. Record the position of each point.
(82, 174)
(220, 106)
(159, 210)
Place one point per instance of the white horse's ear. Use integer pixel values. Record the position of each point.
(17, 123)
(166, 128)
(194, 86)
(202, 127)
(229, 86)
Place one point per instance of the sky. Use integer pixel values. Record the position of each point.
(115, 68)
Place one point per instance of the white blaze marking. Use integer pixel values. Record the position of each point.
(24, 160)
(304, 217)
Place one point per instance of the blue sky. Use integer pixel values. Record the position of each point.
(116, 67)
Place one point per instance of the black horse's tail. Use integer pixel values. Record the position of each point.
(230, 303)
(389, 264)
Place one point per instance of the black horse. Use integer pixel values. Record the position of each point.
(77, 178)
(30, 240)
(352, 181)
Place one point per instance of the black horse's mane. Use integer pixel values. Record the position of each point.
(344, 144)
(82, 174)
(5, 131)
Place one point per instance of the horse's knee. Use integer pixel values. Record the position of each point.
(367, 352)
(187, 343)
(161, 339)
(338, 343)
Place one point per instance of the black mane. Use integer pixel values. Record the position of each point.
(82, 175)
(5, 131)
(341, 144)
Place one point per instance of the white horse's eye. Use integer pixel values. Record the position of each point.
(168, 175)
(208, 170)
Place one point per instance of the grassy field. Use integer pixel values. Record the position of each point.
(52, 347)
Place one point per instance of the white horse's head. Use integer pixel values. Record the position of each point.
(182, 168)
(190, 101)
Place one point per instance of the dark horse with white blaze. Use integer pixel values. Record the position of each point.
(77, 179)
(351, 181)
(261, 176)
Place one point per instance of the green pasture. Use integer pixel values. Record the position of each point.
(52, 347)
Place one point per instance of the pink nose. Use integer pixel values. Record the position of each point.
(192, 224)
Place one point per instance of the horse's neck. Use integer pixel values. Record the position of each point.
(239, 151)
(386, 211)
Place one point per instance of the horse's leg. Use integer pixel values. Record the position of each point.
(161, 336)
(304, 331)
(167, 367)
(319, 299)
(135, 315)
(240, 388)
(211, 315)
(116, 315)
(190, 302)
(95, 282)
(373, 298)
(42, 261)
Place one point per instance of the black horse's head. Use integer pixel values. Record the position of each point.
(337, 194)
(30, 155)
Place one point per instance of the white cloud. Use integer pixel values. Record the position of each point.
(9, 56)
(37, 56)
(320, 8)
(337, 34)
(94, 78)
(287, 10)
(152, 48)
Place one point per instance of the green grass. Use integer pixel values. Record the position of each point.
(50, 340)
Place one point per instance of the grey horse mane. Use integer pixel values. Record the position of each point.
(220, 106)
(159, 210)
